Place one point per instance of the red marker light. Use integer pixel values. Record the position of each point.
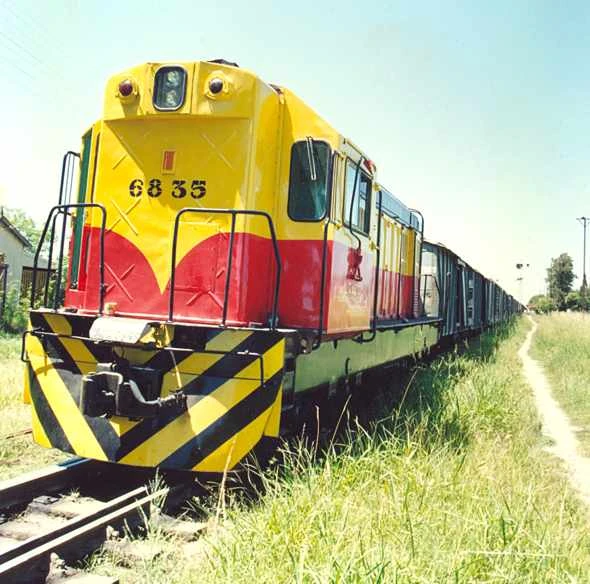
(216, 85)
(126, 88)
(370, 165)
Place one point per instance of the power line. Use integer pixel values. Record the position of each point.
(44, 68)
(18, 45)
(39, 57)
(34, 69)
(35, 30)
(18, 68)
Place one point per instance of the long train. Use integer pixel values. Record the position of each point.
(227, 254)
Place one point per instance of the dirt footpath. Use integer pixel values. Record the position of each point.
(556, 424)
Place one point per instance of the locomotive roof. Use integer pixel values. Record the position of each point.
(395, 209)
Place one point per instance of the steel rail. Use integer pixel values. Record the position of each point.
(30, 561)
(71, 525)
(24, 488)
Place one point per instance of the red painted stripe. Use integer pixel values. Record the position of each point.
(200, 282)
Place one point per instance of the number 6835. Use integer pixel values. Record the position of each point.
(178, 188)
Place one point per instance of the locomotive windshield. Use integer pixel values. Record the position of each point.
(308, 180)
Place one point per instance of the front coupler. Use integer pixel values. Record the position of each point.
(108, 392)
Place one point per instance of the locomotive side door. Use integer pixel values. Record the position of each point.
(354, 249)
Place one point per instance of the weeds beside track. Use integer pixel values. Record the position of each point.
(454, 485)
(18, 453)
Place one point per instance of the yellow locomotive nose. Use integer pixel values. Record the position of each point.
(178, 135)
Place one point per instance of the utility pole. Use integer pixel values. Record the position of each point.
(584, 221)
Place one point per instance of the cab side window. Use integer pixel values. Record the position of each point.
(308, 180)
(359, 217)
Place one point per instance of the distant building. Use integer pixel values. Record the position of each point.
(13, 252)
(16, 260)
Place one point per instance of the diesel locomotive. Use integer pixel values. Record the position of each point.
(226, 255)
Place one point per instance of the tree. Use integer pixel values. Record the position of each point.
(560, 276)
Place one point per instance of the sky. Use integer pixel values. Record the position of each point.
(476, 113)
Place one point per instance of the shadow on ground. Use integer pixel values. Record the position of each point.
(406, 399)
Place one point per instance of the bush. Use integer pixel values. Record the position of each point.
(16, 312)
(577, 300)
(542, 304)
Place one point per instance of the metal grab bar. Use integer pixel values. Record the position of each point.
(51, 219)
(67, 177)
(233, 213)
(41, 334)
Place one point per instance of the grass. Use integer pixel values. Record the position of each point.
(562, 345)
(19, 453)
(452, 485)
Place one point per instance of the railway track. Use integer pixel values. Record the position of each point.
(67, 511)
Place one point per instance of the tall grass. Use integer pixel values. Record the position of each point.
(453, 485)
(562, 345)
(18, 452)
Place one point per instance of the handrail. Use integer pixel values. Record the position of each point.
(350, 227)
(53, 213)
(36, 332)
(377, 263)
(67, 177)
(233, 213)
(417, 214)
(317, 340)
(361, 339)
(49, 262)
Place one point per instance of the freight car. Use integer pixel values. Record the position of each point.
(464, 300)
(227, 254)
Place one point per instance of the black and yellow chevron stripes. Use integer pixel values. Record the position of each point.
(229, 409)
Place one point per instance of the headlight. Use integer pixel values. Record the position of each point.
(173, 78)
(169, 88)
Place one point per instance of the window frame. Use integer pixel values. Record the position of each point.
(345, 215)
(329, 182)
